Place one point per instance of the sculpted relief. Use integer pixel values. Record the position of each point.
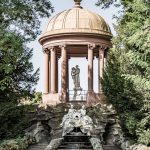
(75, 73)
(77, 119)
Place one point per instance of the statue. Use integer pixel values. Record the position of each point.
(69, 115)
(76, 80)
(83, 111)
(86, 122)
(77, 119)
(75, 76)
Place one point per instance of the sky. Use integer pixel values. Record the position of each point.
(37, 59)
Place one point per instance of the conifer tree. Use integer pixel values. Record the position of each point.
(127, 75)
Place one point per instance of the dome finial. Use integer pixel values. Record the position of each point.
(77, 3)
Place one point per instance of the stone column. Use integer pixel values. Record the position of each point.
(101, 67)
(67, 73)
(90, 67)
(98, 74)
(56, 75)
(46, 72)
(67, 78)
(53, 70)
(64, 64)
(49, 72)
(105, 58)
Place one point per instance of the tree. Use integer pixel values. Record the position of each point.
(23, 16)
(19, 24)
(16, 71)
(127, 75)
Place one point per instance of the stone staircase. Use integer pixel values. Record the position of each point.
(40, 146)
(74, 142)
(110, 147)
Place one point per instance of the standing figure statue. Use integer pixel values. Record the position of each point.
(75, 76)
(75, 73)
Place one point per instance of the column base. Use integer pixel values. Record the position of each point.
(53, 92)
(51, 99)
(45, 93)
(90, 91)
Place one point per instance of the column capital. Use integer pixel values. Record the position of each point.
(63, 46)
(91, 46)
(103, 47)
(68, 57)
(97, 56)
(45, 50)
(58, 57)
(51, 48)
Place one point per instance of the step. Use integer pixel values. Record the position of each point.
(81, 143)
(76, 149)
(75, 145)
(71, 138)
(38, 147)
(110, 147)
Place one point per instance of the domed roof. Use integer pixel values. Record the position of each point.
(77, 20)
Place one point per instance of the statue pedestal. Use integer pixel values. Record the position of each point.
(89, 99)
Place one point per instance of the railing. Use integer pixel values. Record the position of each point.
(80, 95)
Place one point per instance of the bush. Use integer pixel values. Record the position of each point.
(144, 137)
(14, 144)
(37, 97)
(14, 120)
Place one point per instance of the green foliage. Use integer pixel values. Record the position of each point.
(23, 17)
(19, 24)
(105, 3)
(14, 144)
(127, 75)
(16, 71)
(37, 97)
(14, 120)
(122, 94)
(144, 137)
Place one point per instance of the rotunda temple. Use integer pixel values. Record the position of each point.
(76, 32)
